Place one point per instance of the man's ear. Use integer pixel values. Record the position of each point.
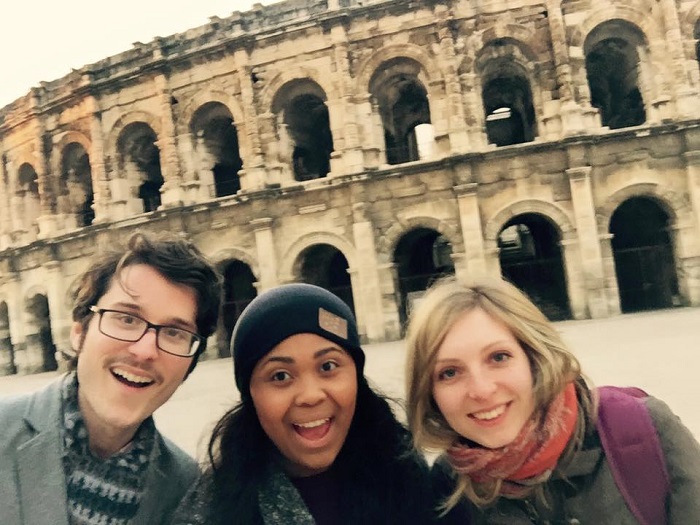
(76, 337)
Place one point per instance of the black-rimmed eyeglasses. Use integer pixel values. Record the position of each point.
(125, 326)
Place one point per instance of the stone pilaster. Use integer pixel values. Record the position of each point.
(100, 181)
(692, 264)
(472, 230)
(253, 175)
(612, 292)
(56, 288)
(47, 220)
(686, 97)
(456, 125)
(267, 256)
(167, 144)
(5, 210)
(366, 285)
(587, 232)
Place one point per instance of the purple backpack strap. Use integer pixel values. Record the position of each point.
(632, 448)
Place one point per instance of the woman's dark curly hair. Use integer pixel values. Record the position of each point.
(382, 480)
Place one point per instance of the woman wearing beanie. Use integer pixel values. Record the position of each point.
(310, 442)
(522, 439)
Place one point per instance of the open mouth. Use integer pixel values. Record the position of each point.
(129, 379)
(313, 430)
(489, 415)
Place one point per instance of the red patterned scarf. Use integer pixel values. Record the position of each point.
(530, 458)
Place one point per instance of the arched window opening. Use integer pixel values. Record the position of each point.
(76, 184)
(28, 195)
(140, 158)
(217, 147)
(510, 114)
(239, 291)
(612, 67)
(531, 258)
(422, 255)
(403, 105)
(39, 339)
(308, 125)
(303, 128)
(326, 266)
(644, 256)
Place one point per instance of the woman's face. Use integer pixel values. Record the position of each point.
(482, 382)
(304, 391)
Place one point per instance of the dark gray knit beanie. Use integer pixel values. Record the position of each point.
(284, 311)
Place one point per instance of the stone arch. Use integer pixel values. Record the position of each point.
(674, 204)
(689, 20)
(70, 137)
(301, 122)
(39, 336)
(228, 254)
(306, 241)
(370, 66)
(521, 36)
(204, 97)
(629, 13)
(75, 192)
(388, 242)
(554, 213)
(285, 77)
(510, 89)
(132, 117)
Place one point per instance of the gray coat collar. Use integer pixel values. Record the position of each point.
(42, 480)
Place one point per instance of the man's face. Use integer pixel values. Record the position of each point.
(122, 383)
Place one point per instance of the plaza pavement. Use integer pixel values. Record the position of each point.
(658, 351)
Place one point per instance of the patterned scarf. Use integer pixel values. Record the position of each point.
(530, 458)
(101, 491)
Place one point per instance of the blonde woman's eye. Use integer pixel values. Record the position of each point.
(329, 366)
(501, 357)
(447, 373)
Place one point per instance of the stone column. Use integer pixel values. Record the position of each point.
(372, 131)
(575, 279)
(686, 97)
(56, 291)
(346, 140)
(367, 288)
(472, 229)
(453, 104)
(254, 174)
(692, 266)
(587, 232)
(171, 191)
(100, 180)
(17, 328)
(5, 210)
(267, 255)
(47, 191)
(612, 291)
(389, 290)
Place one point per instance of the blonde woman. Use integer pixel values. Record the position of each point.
(492, 388)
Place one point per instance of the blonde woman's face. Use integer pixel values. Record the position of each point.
(482, 381)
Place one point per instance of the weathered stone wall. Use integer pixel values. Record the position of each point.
(325, 98)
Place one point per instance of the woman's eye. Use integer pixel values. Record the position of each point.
(126, 319)
(501, 357)
(281, 376)
(328, 366)
(447, 373)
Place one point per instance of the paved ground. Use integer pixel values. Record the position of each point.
(657, 351)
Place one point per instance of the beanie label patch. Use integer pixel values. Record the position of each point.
(332, 323)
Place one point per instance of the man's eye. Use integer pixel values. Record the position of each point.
(175, 334)
(126, 319)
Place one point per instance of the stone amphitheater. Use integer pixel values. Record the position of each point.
(369, 146)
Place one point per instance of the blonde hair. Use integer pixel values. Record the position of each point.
(553, 366)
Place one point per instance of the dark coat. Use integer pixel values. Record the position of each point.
(32, 478)
(588, 493)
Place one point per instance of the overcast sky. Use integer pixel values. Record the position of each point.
(45, 39)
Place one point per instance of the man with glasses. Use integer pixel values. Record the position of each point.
(85, 449)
